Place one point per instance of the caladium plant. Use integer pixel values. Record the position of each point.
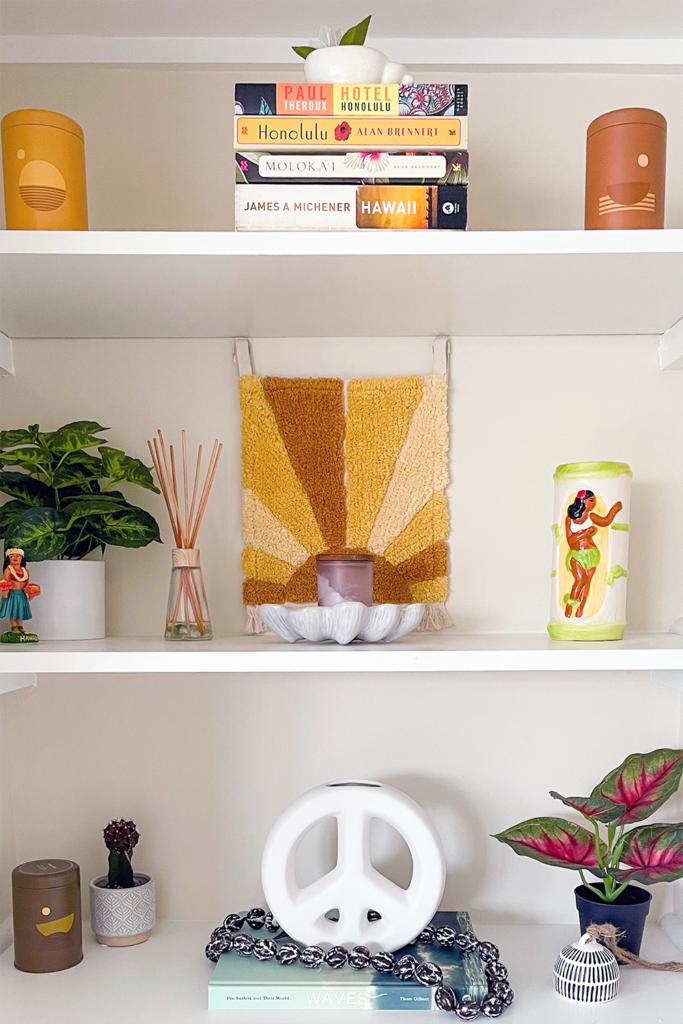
(629, 794)
(62, 502)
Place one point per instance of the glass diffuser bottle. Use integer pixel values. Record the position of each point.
(187, 615)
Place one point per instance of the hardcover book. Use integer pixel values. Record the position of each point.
(349, 207)
(245, 983)
(348, 133)
(449, 168)
(310, 99)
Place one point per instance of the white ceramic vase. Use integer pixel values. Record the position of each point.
(122, 917)
(71, 601)
(353, 64)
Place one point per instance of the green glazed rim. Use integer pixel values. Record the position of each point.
(598, 631)
(599, 469)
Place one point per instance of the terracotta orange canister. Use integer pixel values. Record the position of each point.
(43, 159)
(626, 169)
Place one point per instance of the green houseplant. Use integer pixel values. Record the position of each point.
(61, 500)
(646, 853)
(122, 902)
(64, 503)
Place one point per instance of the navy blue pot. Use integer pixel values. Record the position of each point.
(627, 913)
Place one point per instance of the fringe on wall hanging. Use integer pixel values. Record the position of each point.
(356, 466)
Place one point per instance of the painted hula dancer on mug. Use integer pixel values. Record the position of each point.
(17, 593)
(583, 557)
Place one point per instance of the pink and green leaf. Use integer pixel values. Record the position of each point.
(555, 841)
(652, 853)
(598, 807)
(642, 783)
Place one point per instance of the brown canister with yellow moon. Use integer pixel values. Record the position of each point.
(43, 160)
(46, 904)
(626, 169)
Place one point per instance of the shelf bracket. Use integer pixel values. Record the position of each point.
(241, 356)
(671, 347)
(441, 351)
(16, 681)
(6, 356)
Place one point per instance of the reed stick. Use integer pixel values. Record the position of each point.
(184, 524)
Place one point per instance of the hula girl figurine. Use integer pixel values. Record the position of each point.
(583, 557)
(17, 593)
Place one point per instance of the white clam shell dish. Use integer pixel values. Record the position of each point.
(586, 972)
(343, 622)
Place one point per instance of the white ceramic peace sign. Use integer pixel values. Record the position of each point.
(354, 886)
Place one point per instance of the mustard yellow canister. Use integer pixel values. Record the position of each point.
(43, 160)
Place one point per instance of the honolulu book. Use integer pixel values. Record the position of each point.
(318, 99)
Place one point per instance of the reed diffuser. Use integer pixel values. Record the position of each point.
(187, 616)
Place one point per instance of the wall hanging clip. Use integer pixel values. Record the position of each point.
(441, 350)
(241, 356)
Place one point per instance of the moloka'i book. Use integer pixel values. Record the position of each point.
(349, 207)
(245, 983)
(315, 99)
(445, 168)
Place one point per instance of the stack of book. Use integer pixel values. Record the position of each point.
(319, 157)
(245, 983)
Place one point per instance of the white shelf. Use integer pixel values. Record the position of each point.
(423, 56)
(164, 981)
(101, 284)
(447, 651)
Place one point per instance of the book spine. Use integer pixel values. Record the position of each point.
(350, 133)
(445, 168)
(349, 207)
(320, 997)
(313, 99)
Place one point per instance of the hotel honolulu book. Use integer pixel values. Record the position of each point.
(245, 983)
(349, 207)
(309, 99)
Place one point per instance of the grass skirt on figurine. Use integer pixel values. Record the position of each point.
(15, 606)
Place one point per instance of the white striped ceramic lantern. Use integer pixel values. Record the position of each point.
(586, 972)
(590, 551)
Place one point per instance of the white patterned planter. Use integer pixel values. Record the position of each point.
(122, 917)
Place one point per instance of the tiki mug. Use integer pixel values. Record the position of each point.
(625, 169)
(590, 553)
(46, 905)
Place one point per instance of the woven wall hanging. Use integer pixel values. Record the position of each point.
(344, 466)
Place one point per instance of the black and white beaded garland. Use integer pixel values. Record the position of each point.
(229, 937)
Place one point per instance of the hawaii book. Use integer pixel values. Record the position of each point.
(445, 168)
(245, 983)
(369, 134)
(315, 99)
(349, 207)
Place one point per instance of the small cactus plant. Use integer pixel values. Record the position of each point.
(120, 838)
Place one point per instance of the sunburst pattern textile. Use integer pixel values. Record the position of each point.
(356, 467)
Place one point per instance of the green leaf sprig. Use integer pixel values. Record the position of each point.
(354, 36)
(62, 503)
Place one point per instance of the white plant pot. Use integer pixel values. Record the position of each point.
(122, 917)
(360, 64)
(71, 601)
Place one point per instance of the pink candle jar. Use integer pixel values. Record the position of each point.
(344, 578)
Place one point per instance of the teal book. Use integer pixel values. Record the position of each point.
(245, 983)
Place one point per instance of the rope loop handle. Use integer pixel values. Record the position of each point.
(609, 936)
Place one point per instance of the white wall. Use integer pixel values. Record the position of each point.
(204, 764)
(159, 140)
